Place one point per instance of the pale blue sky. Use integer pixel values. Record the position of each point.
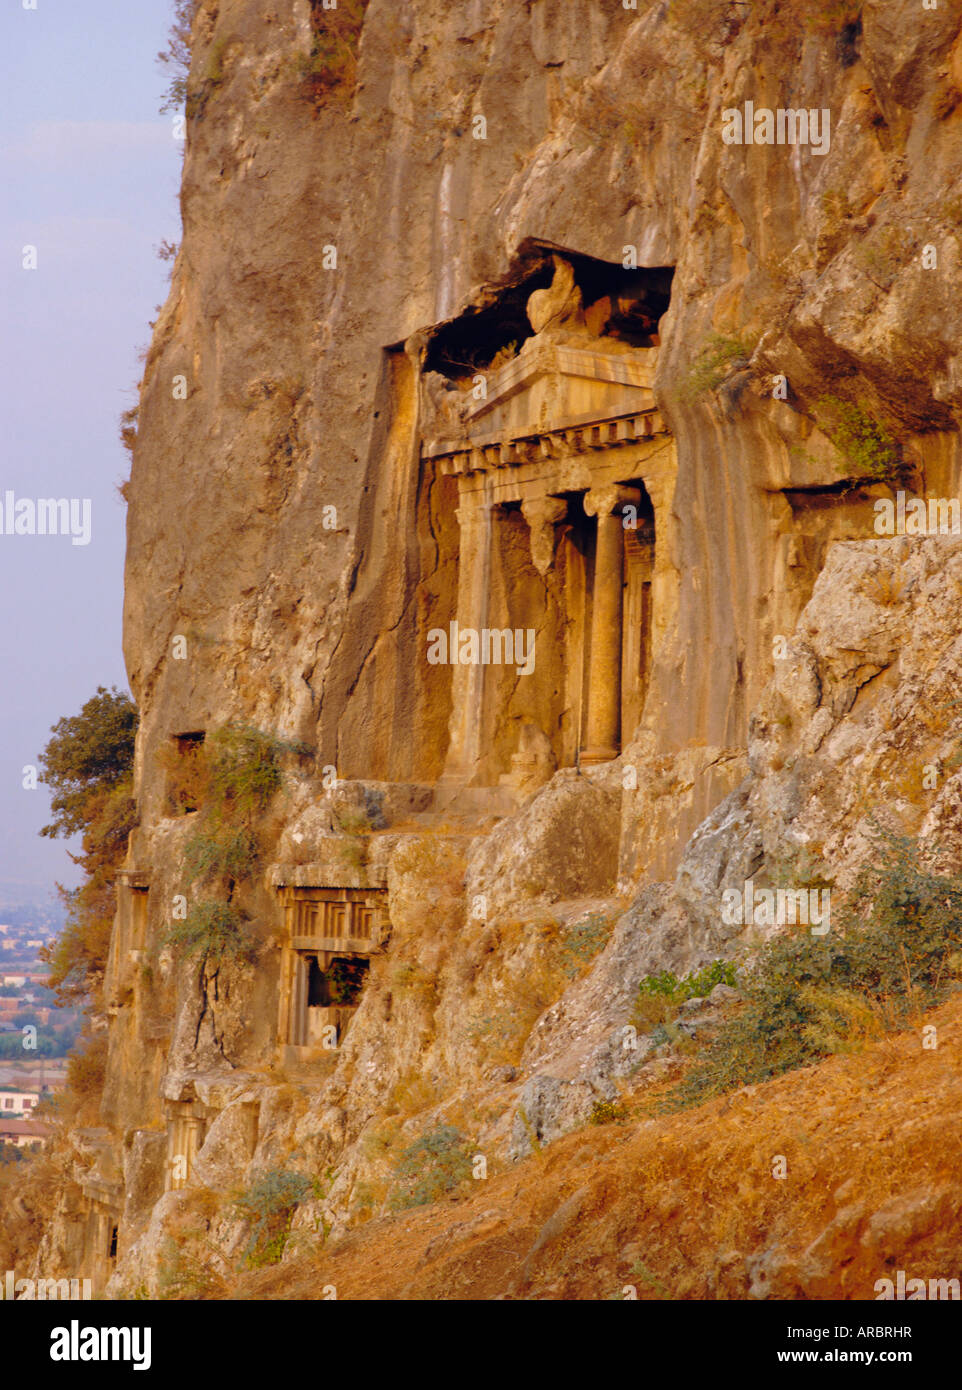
(89, 174)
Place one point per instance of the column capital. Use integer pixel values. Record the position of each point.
(608, 497)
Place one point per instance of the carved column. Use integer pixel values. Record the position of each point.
(467, 682)
(603, 724)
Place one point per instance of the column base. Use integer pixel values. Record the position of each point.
(589, 756)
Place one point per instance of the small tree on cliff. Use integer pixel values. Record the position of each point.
(88, 764)
(176, 57)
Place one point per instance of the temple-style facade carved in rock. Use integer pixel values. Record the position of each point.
(565, 474)
(187, 1122)
(129, 937)
(330, 935)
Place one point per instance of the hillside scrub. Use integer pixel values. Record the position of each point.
(898, 952)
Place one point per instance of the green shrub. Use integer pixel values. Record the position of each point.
(244, 771)
(216, 931)
(87, 1067)
(718, 358)
(230, 852)
(670, 1033)
(897, 951)
(181, 1276)
(431, 1167)
(694, 986)
(231, 778)
(581, 942)
(606, 1112)
(659, 996)
(866, 446)
(269, 1205)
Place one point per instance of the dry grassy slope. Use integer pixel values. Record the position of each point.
(685, 1206)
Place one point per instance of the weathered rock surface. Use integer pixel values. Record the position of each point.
(564, 844)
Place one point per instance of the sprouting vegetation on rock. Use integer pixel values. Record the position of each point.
(430, 1168)
(864, 443)
(176, 57)
(269, 1205)
(718, 357)
(229, 779)
(661, 995)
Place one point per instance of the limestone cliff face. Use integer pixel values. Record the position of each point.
(290, 543)
(603, 132)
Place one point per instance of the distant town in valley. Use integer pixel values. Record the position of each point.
(35, 1034)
